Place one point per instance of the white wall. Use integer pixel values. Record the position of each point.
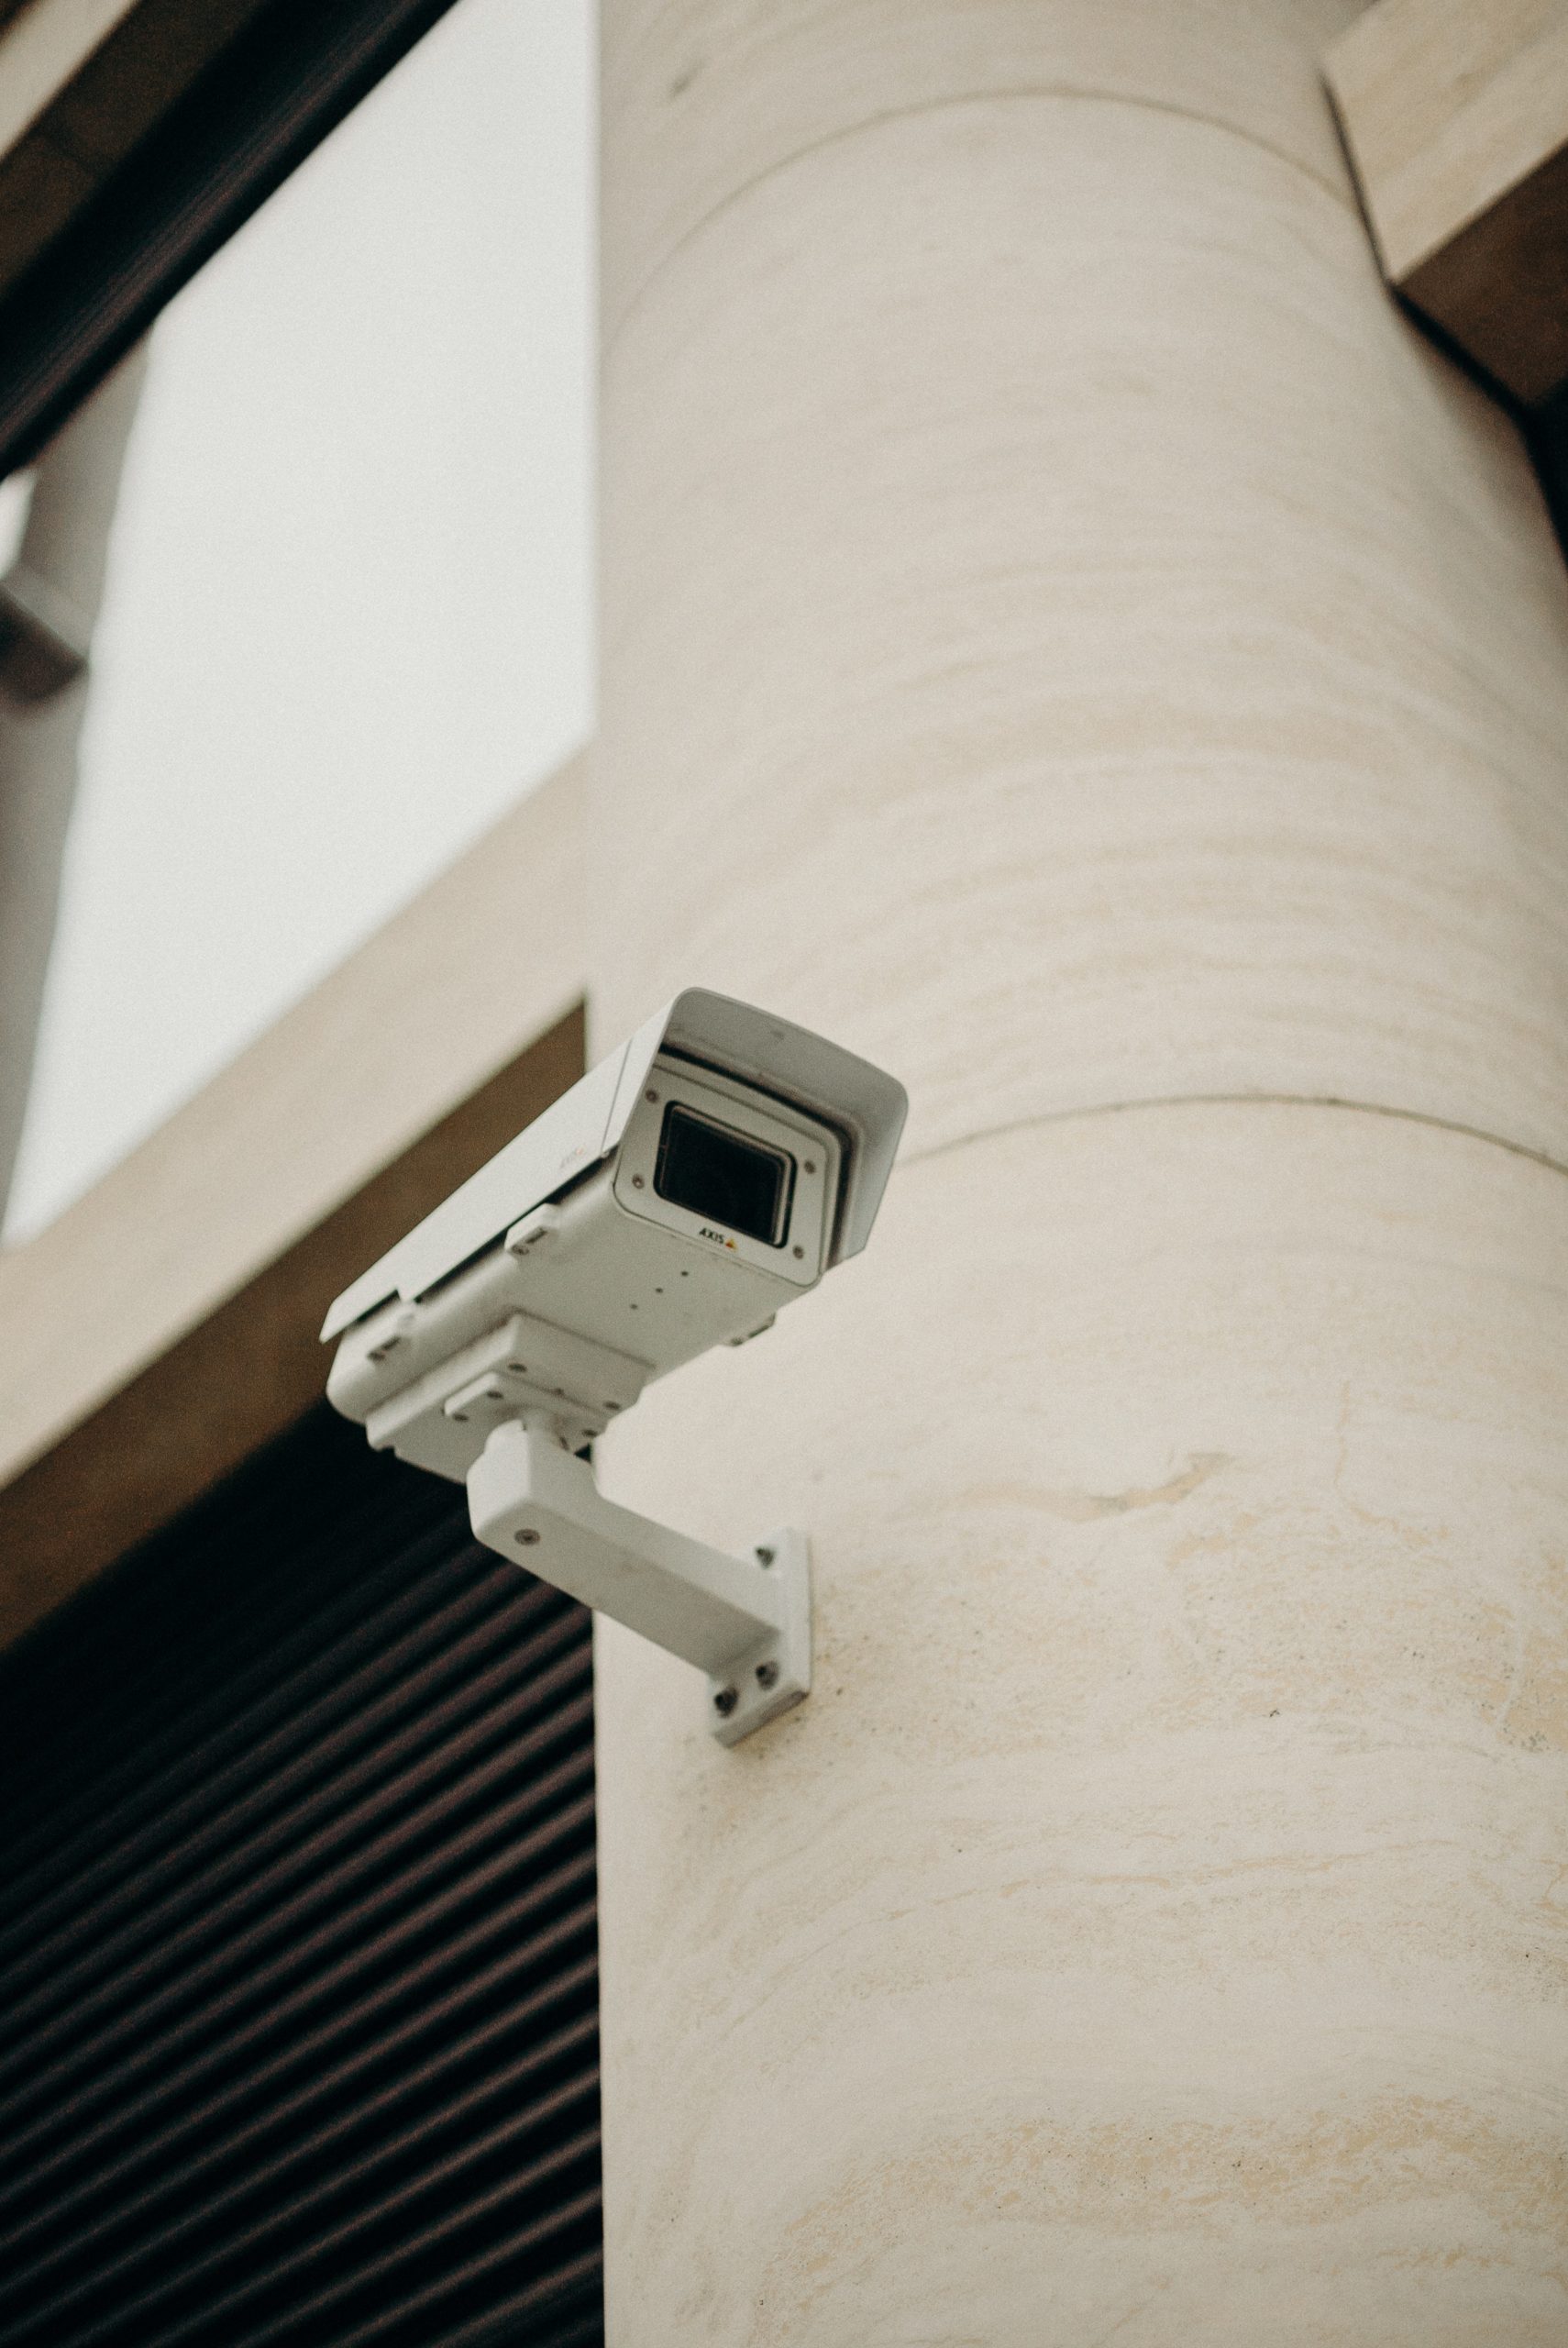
(347, 616)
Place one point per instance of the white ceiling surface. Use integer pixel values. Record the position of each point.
(349, 607)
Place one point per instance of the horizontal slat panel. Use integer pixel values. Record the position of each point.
(293, 1975)
(226, 1861)
(222, 2086)
(242, 2117)
(153, 1680)
(298, 1997)
(316, 1850)
(201, 2231)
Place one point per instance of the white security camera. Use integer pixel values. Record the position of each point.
(708, 1172)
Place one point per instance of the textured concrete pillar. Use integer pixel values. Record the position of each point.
(1066, 636)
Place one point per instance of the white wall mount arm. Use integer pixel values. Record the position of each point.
(746, 1622)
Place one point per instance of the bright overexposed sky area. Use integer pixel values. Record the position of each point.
(348, 619)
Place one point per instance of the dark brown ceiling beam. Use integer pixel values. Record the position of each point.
(1456, 116)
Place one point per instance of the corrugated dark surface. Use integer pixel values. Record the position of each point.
(298, 1991)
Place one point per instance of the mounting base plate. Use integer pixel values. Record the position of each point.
(745, 1621)
(776, 1673)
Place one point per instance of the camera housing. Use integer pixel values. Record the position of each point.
(703, 1176)
(707, 1173)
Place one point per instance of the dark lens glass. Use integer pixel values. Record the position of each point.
(723, 1177)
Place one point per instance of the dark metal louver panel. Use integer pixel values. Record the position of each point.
(298, 1988)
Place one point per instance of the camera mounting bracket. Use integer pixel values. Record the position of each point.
(746, 1622)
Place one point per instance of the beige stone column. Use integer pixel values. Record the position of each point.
(1065, 635)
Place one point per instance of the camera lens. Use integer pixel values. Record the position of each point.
(723, 1175)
